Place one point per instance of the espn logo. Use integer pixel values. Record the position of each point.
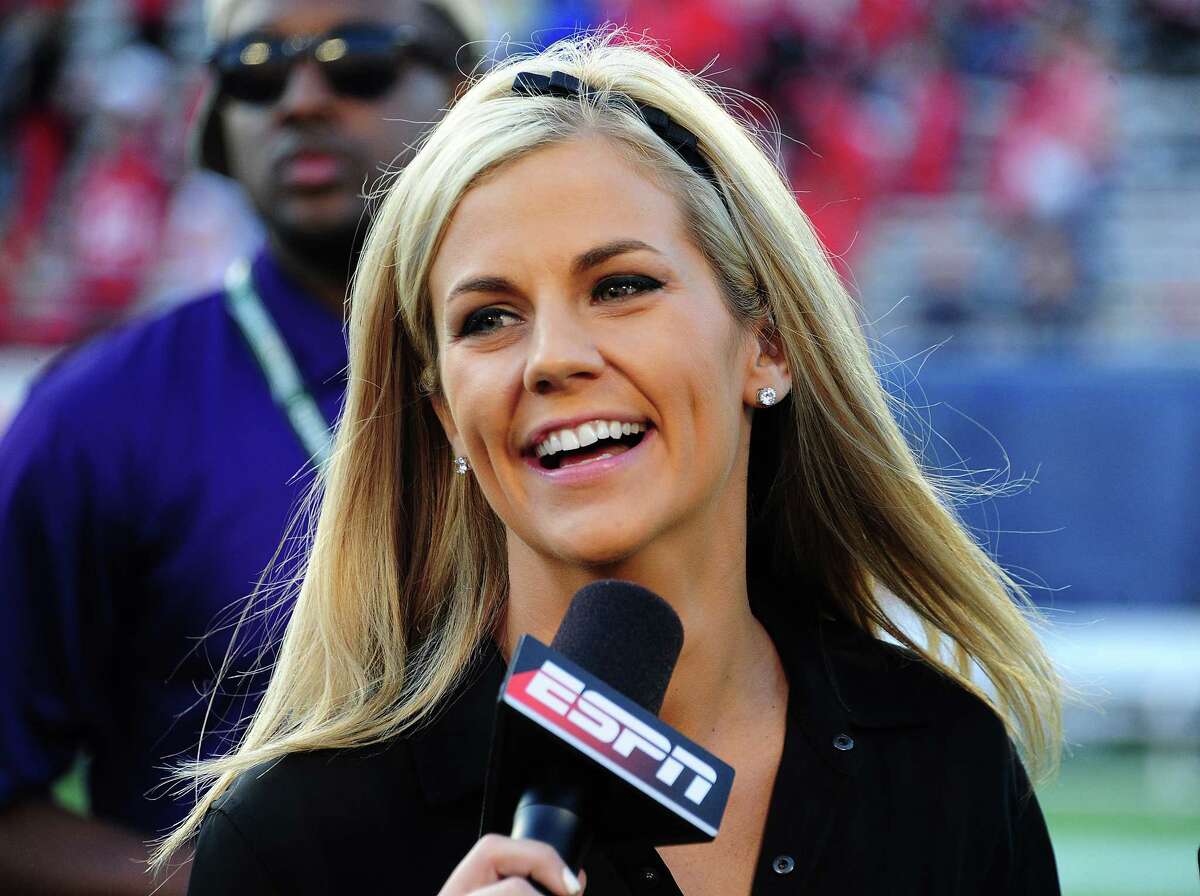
(620, 731)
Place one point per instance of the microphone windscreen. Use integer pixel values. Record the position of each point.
(625, 635)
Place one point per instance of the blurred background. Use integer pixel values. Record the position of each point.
(1011, 189)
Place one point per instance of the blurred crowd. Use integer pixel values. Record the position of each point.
(100, 209)
(101, 213)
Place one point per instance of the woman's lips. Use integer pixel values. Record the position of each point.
(593, 453)
(594, 468)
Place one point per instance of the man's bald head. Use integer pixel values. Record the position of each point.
(467, 15)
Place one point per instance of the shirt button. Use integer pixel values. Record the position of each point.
(783, 864)
(843, 742)
(648, 876)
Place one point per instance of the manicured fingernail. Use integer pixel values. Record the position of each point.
(572, 882)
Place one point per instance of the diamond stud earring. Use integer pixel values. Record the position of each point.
(461, 466)
(767, 396)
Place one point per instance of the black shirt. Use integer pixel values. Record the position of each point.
(893, 779)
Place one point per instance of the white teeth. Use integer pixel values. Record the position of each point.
(585, 434)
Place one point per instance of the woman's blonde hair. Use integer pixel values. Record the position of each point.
(407, 569)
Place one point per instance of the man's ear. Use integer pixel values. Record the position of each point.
(769, 366)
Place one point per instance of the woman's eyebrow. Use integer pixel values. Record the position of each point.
(480, 284)
(593, 257)
(582, 263)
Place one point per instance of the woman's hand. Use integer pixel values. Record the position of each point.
(500, 866)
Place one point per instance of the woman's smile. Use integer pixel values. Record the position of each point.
(574, 456)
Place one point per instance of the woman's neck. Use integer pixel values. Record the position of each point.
(728, 663)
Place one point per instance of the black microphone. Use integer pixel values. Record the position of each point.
(578, 753)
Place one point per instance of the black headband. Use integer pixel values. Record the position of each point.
(679, 138)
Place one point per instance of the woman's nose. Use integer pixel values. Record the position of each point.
(563, 353)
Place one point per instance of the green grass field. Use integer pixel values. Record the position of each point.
(1124, 822)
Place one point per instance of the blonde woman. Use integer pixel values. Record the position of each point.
(593, 335)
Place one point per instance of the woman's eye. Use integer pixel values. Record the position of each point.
(487, 320)
(624, 286)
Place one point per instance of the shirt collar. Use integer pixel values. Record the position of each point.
(839, 679)
(876, 682)
(312, 332)
(866, 682)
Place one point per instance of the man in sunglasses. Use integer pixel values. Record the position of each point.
(148, 479)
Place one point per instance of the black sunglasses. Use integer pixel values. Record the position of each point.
(359, 61)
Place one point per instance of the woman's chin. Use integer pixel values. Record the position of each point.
(596, 548)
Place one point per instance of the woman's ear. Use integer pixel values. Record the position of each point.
(769, 368)
(442, 409)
